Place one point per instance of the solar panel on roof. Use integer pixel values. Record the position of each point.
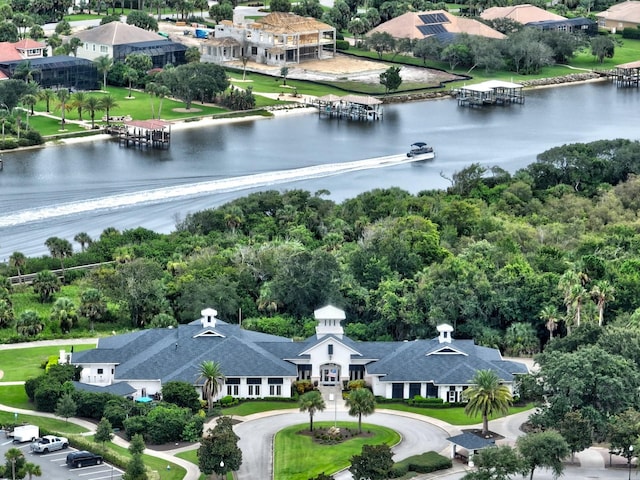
(428, 18)
(431, 29)
(442, 18)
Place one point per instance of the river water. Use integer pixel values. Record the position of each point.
(61, 191)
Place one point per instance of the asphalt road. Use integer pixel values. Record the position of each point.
(256, 436)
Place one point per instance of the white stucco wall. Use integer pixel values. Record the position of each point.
(91, 374)
(91, 51)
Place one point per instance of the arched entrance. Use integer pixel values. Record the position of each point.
(329, 374)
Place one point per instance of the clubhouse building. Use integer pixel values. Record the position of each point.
(258, 365)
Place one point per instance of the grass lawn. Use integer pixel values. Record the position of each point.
(15, 396)
(50, 126)
(269, 84)
(52, 424)
(247, 408)
(453, 416)
(176, 472)
(24, 363)
(76, 17)
(298, 457)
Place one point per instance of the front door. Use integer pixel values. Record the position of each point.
(330, 374)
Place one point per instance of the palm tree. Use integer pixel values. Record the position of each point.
(47, 95)
(29, 324)
(32, 469)
(25, 71)
(311, 402)
(92, 306)
(59, 248)
(577, 295)
(161, 93)
(107, 103)
(550, 316)
(361, 402)
(74, 44)
(602, 292)
(63, 98)
(104, 64)
(130, 75)
(64, 313)
(14, 457)
(151, 88)
(92, 105)
(565, 285)
(487, 396)
(7, 315)
(18, 260)
(79, 102)
(211, 373)
(29, 101)
(83, 238)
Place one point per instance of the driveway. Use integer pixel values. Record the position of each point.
(256, 434)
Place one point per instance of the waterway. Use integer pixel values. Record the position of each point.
(61, 191)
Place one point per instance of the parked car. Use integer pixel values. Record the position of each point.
(49, 443)
(83, 458)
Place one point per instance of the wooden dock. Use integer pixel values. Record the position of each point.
(349, 107)
(627, 74)
(144, 134)
(492, 92)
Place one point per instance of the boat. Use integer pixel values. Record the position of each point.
(421, 151)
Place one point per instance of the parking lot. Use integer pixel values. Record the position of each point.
(54, 466)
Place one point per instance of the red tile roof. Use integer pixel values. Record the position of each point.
(28, 44)
(8, 52)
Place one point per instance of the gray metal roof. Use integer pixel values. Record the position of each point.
(471, 441)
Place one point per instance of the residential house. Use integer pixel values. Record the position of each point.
(259, 365)
(436, 23)
(276, 39)
(620, 16)
(117, 40)
(523, 14)
(56, 72)
(540, 18)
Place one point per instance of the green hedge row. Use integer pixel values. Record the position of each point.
(342, 45)
(631, 33)
(425, 463)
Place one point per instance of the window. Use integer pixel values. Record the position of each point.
(330, 347)
(254, 390)
(254, 50)
(100, 371)
(232, 390)
(94, 47)
(104, 49)
(275, 390)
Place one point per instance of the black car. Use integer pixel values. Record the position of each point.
(83, 459)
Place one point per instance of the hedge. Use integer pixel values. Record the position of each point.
(342, 45)
(425, 463)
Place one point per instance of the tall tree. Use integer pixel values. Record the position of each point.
(15, 462)
(311, 402)
(211, 373)
(104, 432)
(104, 64)
(391, 79)
(79, 102)
(32, 470)
(543, 449)
(18, 260)
(487, 396)
(62, 95)
(47, 95)
(361, 402)
(92, 306)
(45, 284)
(219, 451)
(59, 248)
(496, 463)
(108, 103)
(602, 292)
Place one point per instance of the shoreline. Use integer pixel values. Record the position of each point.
(181, 125)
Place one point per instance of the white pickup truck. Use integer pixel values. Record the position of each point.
(49, 443)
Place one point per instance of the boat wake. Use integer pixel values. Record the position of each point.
(164, 194)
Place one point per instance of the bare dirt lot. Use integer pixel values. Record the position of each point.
(340, 68)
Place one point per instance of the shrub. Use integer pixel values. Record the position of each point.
(302, 386)
(342, 45)
(355, 384)
(424, 463)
